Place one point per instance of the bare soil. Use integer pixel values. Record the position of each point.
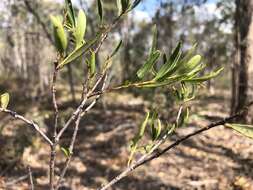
(217, 159)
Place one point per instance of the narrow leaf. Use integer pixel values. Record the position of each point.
(245, 130)
(119, 7)
(117, 48)
(70, 13)
(143, 126)
(5, 98)
(100, 10)
(80, 28)
(77, 52)
(189, 54)
(135, 4)
(124, 5)
(148, 65)
(171, 63)
(204, 78)
(154, 41)
(60, 36)
(190, 65)
(92, 67)
(65, 151)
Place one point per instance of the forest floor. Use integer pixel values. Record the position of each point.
(217, 159)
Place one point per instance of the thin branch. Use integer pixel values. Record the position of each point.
(79, 109)
(145, 159)
(56, 115)
(29, 122)
(68, 160)
(71, 147)
(30, 178)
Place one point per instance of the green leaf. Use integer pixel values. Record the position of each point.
(189, 54)
(77, 52)
(135, 4)
(169, 81)
(119, 7)
(152, 124)
(70, 13)
(168, 67)
(154, 41)
(190, 65)
(137, 138)
(204, 78)
(100, 10)
(80, 28)
(143, 126)
(148, 65)
(171, 129)
(5, 98)
(125, 5)
(245, 130)
(156, 130)
(116, 49)
(92, 66)
(60, 36)
(65, 151)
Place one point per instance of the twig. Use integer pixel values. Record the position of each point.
(30, 178)
(145, 159)
(68, 160)
(53, 147)
(79, 109)
(29, 122)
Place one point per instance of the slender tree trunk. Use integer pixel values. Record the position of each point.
(240, 74)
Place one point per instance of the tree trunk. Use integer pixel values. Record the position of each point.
(243, 58)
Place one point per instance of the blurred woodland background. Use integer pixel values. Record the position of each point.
(218, 159)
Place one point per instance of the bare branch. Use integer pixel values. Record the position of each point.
(71, 147)
(53, 151)
(79, 109)
(147, 158)
(29, 122)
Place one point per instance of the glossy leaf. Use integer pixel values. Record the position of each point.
(148, 65)
(77, 53)
(70, 13)
(171, 63)
(5, 98)
(100, 10)
(245, 130)
(80, 28)
(60, 36)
